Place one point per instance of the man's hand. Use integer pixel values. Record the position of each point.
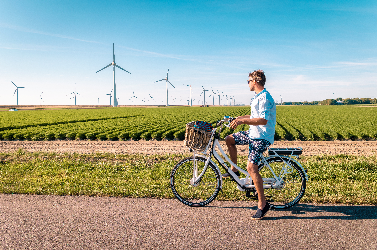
(235, 123)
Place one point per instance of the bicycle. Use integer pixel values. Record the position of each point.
(196, 180)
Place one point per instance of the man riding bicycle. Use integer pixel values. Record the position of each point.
(262, 122)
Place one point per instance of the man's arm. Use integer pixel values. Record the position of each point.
(243, 117)
(248, 121)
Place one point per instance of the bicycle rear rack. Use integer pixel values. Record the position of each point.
(285, 151)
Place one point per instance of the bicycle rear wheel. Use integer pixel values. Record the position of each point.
(292, 187)
(183, 187)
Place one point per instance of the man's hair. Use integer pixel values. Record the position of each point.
(258, 76)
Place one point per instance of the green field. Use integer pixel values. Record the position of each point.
(332, 179)
(293, 123)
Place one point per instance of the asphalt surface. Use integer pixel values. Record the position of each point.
(81, 222)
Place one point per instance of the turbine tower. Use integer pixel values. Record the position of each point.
(114, 76)
(16, 90)
(190, 94)
(166, 86)
(40, 98)
(213, 97)
(204, 94)
(110, 98)
(74, 97)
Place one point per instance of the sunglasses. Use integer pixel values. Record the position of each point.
(248, 81)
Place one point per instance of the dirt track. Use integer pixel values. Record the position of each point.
(366, 148)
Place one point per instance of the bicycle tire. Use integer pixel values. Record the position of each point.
(293, 186)
(195, 195)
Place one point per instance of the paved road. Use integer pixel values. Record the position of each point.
(81, 222)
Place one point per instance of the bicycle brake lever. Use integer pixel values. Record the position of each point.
(230, 119)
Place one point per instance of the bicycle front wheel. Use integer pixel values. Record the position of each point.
(193, 184)
(292, 186)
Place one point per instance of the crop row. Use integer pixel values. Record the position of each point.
(293, 123)
(119, 124)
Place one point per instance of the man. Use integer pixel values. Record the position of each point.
(262, 122)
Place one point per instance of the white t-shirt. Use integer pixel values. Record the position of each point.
(263, 106)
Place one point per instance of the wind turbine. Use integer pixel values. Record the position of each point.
(219, 97)
(110, 98)
(230, 100)
(166, 86)
(16, 90)
(204, 94)
(213, 97)
(114, 76)
(40, 98)
(74, 96)
(190, 94)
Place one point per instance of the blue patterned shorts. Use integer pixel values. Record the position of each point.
(256, 146)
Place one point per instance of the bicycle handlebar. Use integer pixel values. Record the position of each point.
(226, 119)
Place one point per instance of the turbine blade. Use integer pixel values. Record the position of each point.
(122, 69)
(104, 67)
(171, 84)
(14, 84)
(160, 80)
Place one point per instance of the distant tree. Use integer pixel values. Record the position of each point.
(329, 102)
(365, 101)
(338, 101)
(348, 101)
(357, 100)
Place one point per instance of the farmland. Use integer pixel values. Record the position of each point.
(73, 159)
(305, 123)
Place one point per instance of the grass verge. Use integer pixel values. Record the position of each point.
(333, 179)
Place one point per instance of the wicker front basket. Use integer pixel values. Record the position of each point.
(195, 138)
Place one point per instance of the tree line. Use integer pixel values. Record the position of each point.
(338, 101)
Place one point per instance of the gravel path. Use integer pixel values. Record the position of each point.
(68, 222)
(162, 147)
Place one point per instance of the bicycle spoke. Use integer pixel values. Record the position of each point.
(195, 191)
(291, 185)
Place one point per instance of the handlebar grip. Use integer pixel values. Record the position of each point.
(230, 119)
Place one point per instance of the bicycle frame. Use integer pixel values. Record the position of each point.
(244, 184)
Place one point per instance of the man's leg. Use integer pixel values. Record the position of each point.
(231, 144)
(258, 182)
(256, 148)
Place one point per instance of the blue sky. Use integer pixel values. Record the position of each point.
(310, 50)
